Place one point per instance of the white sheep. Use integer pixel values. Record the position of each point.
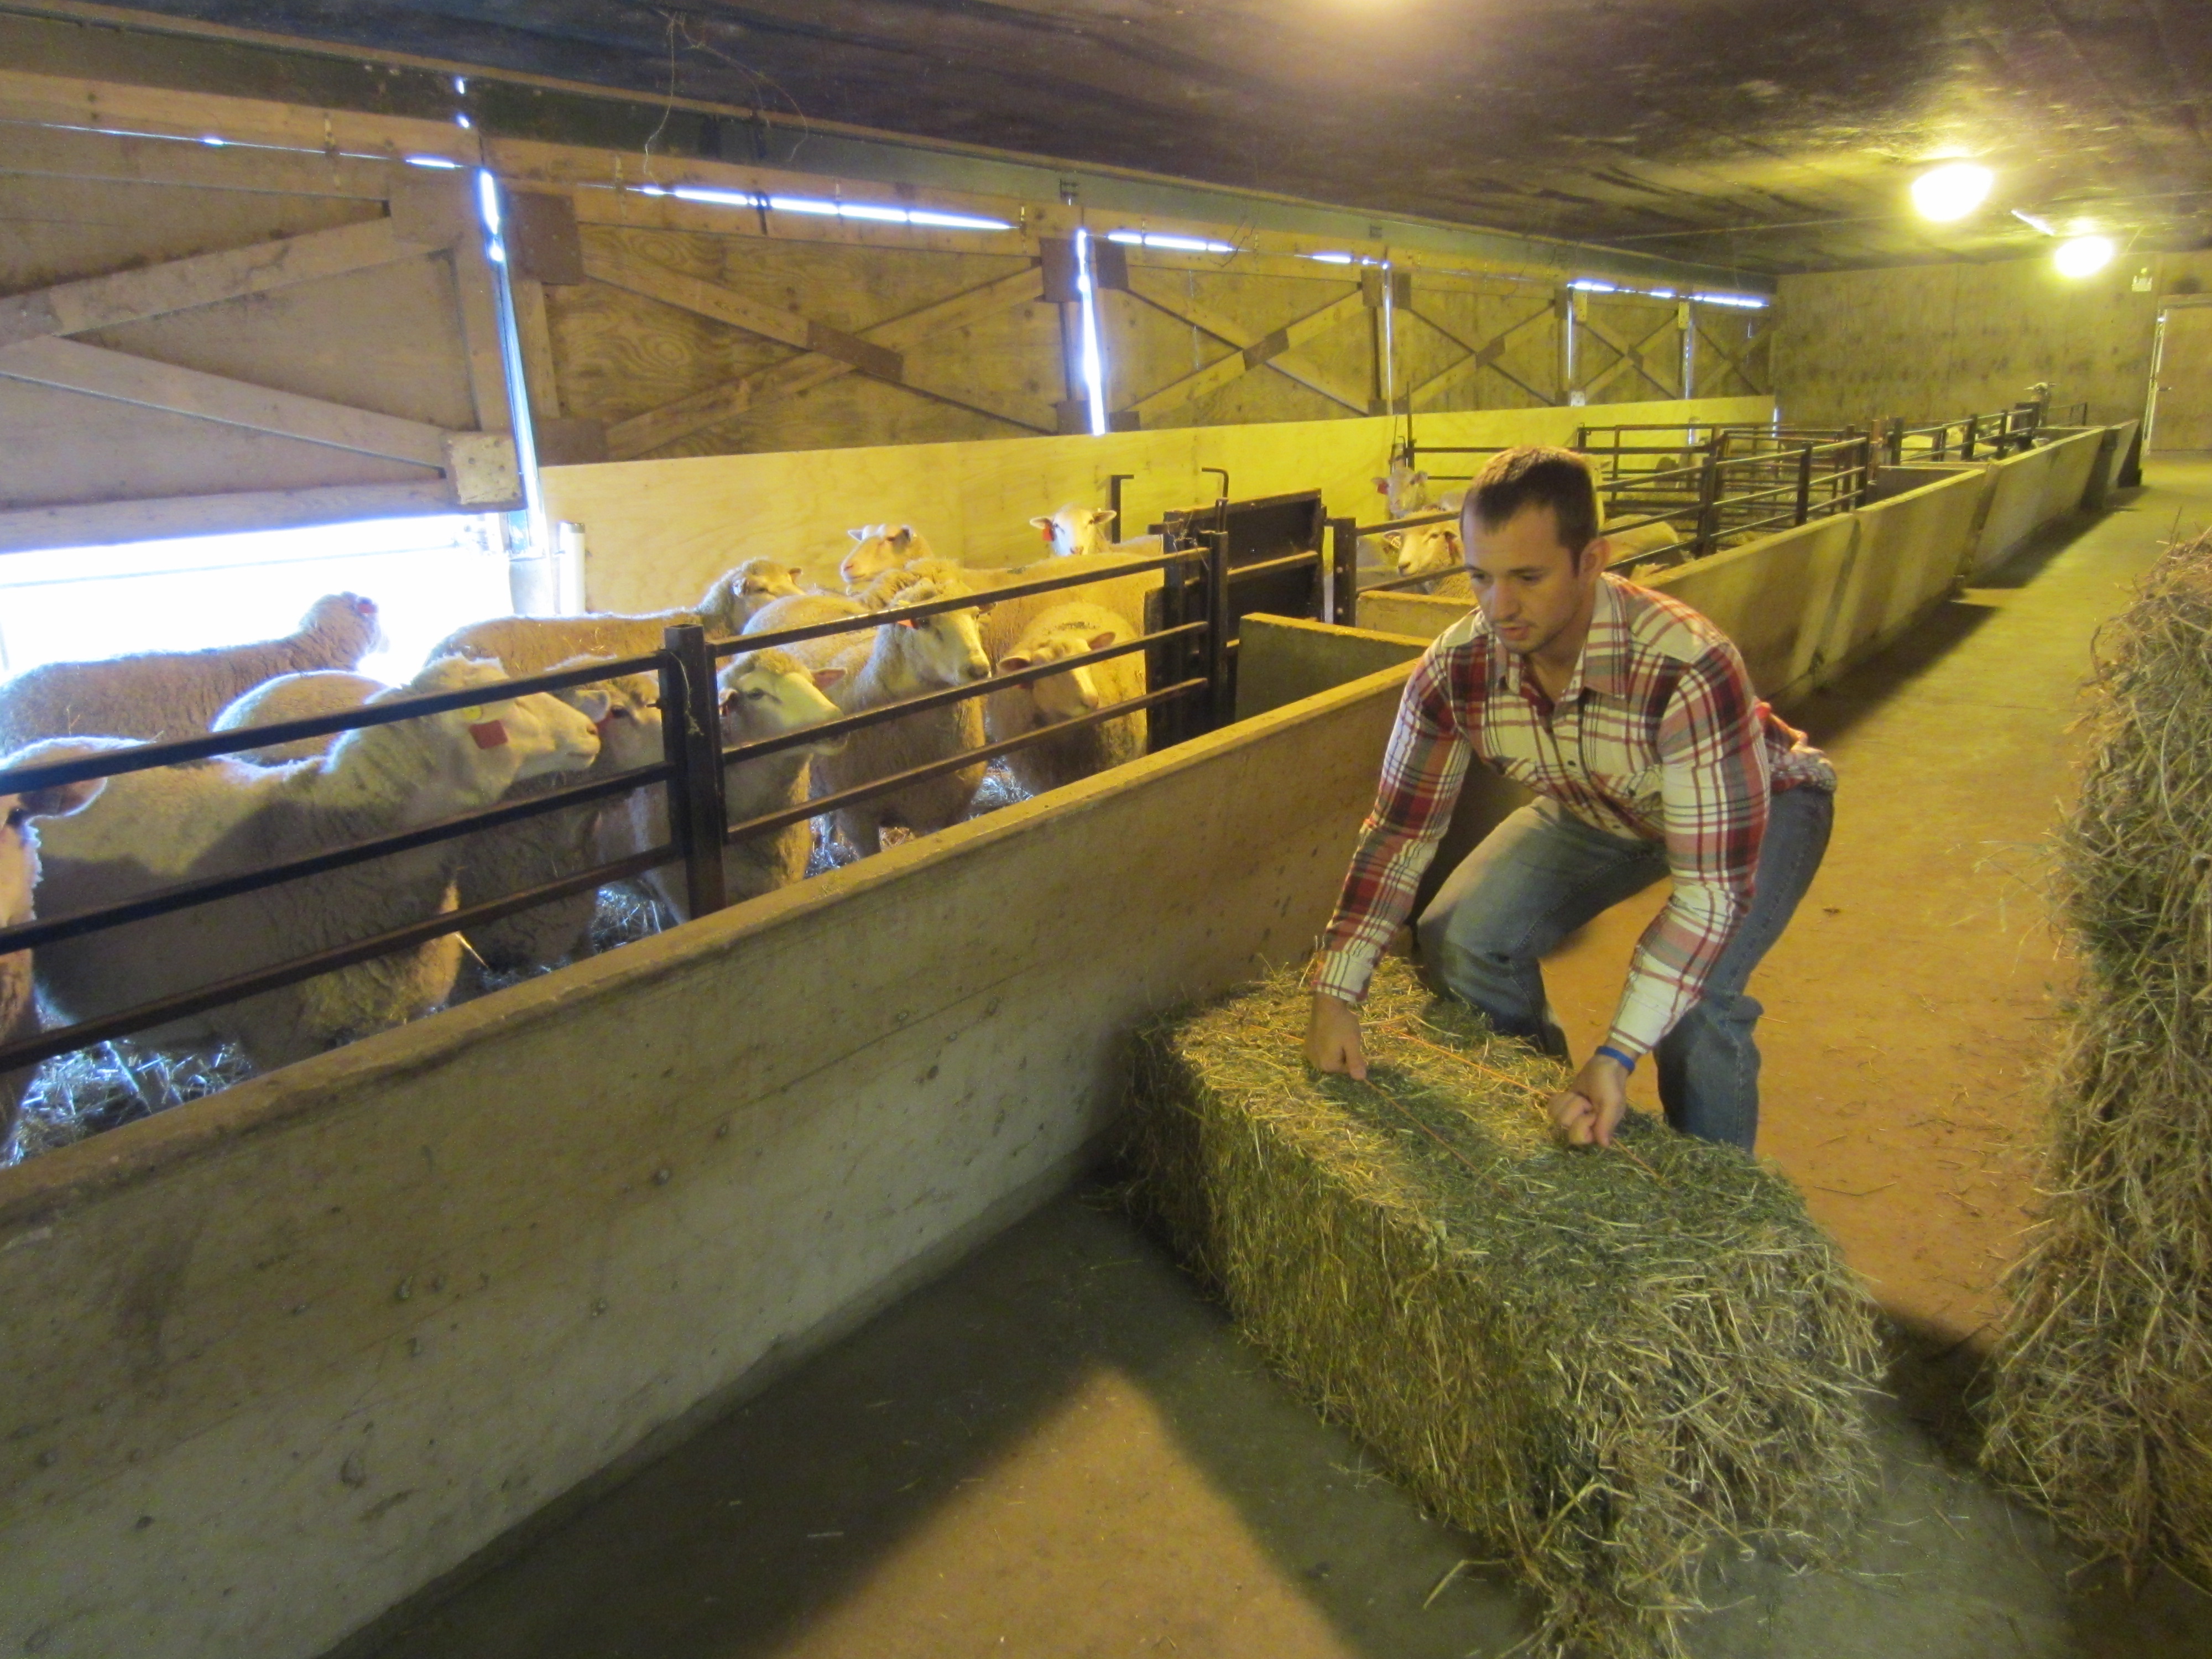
(153, 829)
(765, 693)
(158, 694)
(19, 881)
(878, 548)
(295, 697)
(1434, 549)
(1074, 530)
(497, 862)
(1007, 620)
(904, 657)
(531, 644)
(1068, 631)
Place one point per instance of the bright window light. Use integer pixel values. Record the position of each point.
(438, 161)
(2083, 255)
(1741, 301)
(427, 575)
(1094, 363)
(821, 207)
(1952, 191)
(1173, 244)
(1590, 285)
(1331, 259)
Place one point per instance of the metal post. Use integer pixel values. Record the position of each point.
(1897, 440)
(1866, 471)
(1169, 722)
(1804, 484)
(1709, 487)
(1966, 446)
(691, 733)
(1114, 483)
(1340, 590)
(1221, 693)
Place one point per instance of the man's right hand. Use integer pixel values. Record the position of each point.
(1332, 1037)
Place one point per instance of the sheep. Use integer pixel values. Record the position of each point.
(531, 644)
(805, 610)
(19, 881)
(295, 697)
(765, 693)
(153, 829)
(1068, 631)
(497, 862)
(878, 548)
(158, 694)
(1007, 620)
(1074, 530)
(905, 658)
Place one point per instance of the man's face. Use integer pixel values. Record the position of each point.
(1531, 588)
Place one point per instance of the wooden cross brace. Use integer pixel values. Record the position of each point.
(1271, 350)
(1631, 356)
(1485, 355)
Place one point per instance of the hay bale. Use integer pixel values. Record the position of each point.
(2101, 1400)
(1602, 1364)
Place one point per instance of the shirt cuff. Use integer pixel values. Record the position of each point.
(1343, 974)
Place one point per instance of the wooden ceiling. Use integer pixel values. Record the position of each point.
(1764, 136)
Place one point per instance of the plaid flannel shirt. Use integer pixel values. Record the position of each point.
(1657, 736)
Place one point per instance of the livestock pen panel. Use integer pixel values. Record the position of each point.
(340, 1327)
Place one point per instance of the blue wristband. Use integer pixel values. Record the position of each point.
(1612, 1052)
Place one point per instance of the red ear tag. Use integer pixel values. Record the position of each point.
(488, 734)
(1046, 531)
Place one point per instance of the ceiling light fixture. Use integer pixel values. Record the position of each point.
(1952, 191)
(2083, 255)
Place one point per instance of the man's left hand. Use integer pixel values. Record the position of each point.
(1587, 1111)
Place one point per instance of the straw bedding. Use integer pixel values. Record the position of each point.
(2101, 1407)
(1603, 1363)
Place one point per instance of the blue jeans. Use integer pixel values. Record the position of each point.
(1543, 872)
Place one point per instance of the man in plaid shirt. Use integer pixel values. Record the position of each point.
(1631, 718)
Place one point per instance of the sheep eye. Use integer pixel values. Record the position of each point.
(757, 693)
(18, 816)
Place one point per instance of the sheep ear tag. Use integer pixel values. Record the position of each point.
(488, 734)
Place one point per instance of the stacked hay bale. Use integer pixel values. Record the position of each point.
(1605, 1363)
(2102, 1408)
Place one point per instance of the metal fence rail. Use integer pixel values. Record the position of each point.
(691, 770)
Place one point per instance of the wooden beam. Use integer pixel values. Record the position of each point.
(1628, 355)
(1226, 371)
(101, 523)
(128, 296)
(655, 429)
(1229, 332)
(72, 366)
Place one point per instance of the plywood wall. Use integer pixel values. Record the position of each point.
(657, 532)
(1935, 342)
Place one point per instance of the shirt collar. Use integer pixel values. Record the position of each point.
(1603, 666)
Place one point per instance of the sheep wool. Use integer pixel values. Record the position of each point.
(159, 694)
(532, 644)
(1068, 631)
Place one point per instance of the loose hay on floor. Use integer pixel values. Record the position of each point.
(2101, 1406)
(1603, 1363)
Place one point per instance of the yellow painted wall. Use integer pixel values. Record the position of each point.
(658, 532)
(1935, 343)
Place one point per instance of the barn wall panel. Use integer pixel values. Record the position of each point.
(1932, 342)
(337, 1328)
(657, 532)
(1912, 548)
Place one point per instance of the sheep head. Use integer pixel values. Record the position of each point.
(878, 548)
(1058, 697)
(1406, 490)
(768, 693)
(1428, 549)
(625, 711)
(737, 593)
(349, 622)
(469, 757)
(1075, 529)
(946, 649)
(19, 841)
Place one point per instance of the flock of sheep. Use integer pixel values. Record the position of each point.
(108, 840)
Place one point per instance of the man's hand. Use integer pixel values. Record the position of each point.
(1332, 1037)
(1587, 1111)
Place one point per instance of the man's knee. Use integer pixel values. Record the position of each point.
(1466, 932)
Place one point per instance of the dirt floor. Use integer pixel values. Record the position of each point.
(1060, 1449)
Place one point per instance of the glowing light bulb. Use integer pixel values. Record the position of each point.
(2083, 255)
(1952, 191)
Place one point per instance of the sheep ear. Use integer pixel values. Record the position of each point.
(730, 703)
(1100, 642)
(60, 799)
(1381, 486)
(860, 535)
(593, 705)
(1421, 477)
(826, 677)
(1393, 541)
(797, 575)
(1042, 521)
(1013, 662)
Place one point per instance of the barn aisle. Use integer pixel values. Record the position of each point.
(1060, 1449)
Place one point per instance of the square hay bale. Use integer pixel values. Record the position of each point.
(2101, 1405)
(1601, 1363)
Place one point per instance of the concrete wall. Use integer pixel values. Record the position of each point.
(1936, 341)
(276, 1361)
(1280, 660)
(1772, 596)
(2029, 491)
(658, 532)
(1906, 562)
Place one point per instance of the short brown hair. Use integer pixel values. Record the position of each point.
(1536, 475)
